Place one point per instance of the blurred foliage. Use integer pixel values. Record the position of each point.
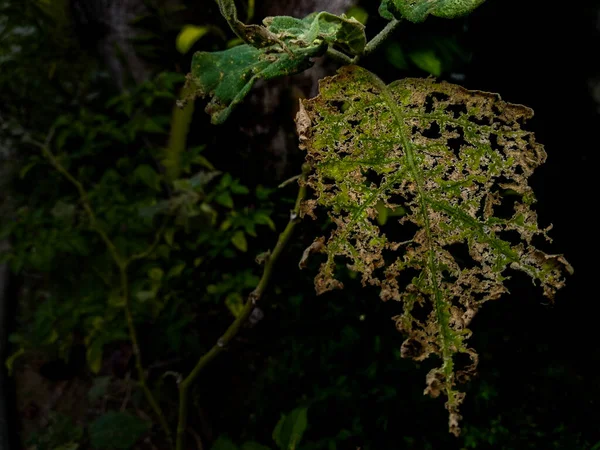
(325, 370)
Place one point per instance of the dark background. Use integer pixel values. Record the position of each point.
(538, 385)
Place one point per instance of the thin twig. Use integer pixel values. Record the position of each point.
(237, 324)
(369, 48)
(152, 246)
(122, 264)
(380, 37)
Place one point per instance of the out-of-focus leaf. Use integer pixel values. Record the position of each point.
(116, 430)
(235, 303)
(427, 60)
(98, 389)
(224, 443)
(189, 35)
(239, 241)
(290, 428)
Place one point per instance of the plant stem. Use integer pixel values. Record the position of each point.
(339, 56)
(237, 324)
(122, 265)
(380, 37)
(138, 356)
(369, 48)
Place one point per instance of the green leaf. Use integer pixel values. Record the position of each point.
(224, 199)
(264, 219)
(10, 361)
(445, 155)
(116, 430)
(358, 13)
(395, 55)
(427, 60)
(418, 10)
(170, 236)
(155, 274)
(235, 303)
(290, 428)
(224, 443)
(148, 176)
(175, 271)
(239, 241)
(286, 46)
(189, 35)
(94, 355)
(252, 445)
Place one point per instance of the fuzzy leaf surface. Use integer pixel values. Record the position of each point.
(418, 10)
(448, 157)
(283, 46)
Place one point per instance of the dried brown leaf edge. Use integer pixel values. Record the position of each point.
(458, 162)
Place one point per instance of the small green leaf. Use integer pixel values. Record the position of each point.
(188, 36)
(155, 274)
(235, 303)
(94, 355)
(148, 176)
(26, 168)
(290, 428)
(239, 189)
(264, 219)
(116, 430)
(169, 236)
(144, 296)
(150, 126)
(427, 60)
(252, 445)
(10, 361)
(239, 241)
(224, 443)
(176, 270)
(224, 199)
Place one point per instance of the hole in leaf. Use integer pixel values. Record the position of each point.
(433, 131)
(372, 176)
(397, 232)
(454, 144)
(480, 120)
(511, 236)
(339, 105)
(506, 208)
(460, 253)
(457, 110)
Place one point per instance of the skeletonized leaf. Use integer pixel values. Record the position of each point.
(447, 156)
(227, 76)
(418, 10)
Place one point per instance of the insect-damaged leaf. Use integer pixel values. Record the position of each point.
(418, 10)
(446, 155)
(228, 76)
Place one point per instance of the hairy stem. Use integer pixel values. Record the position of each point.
(237, 324)
(122, 264)
(381, 36)
(371, 46)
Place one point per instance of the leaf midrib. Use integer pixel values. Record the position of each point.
(441, 307)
